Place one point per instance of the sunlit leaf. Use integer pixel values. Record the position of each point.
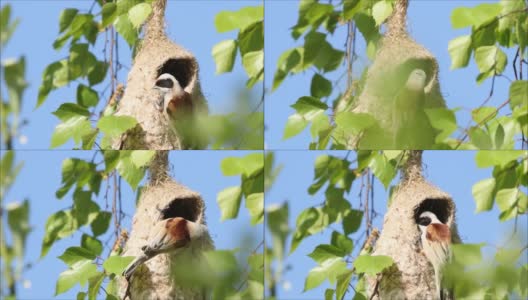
(372, 264)
(224, 54)
(229, 202)
(117, 264)
(483, 194)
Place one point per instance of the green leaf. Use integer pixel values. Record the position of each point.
(253, 63)
(372, 264)
(117, 264)
(467, 254)
(295, 125)
(73, 255)
(506, 198)
(308, 222)
(383, 169)
(229, 202)
(255, 205)
(277, 222)
(486, 57)
(86, 96)
(101, 223)
(128, 170)
(74, 128)
(325, 252)
(18, 221)
(126, 29)
(227, 20)
(288, 61)
(98, 72)
(309, 107)
(91, 244)
(139, 13)
(342, 242)
(251, 38)
(109, 13)
(484, 113)
(475, 16)
(486, 159)
(70, 110)
(66, 18)
(94, 284)
(329, 269)
(343, 282)
(442, 119)
(116, 125)
(224, 54)
(80, 272)
(483, 194)
(247, 165)
(518, 93)
(352, 221)
(460, 51)
(381, 10)
(354, 123)
(350, 8)
(319, 52)
(142, 158)
(320, 86)
(480, 138)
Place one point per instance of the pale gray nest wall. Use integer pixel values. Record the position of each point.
(156, 55)
(413, 276)
(154, 279)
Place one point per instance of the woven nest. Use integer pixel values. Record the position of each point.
(156, 55)
(413, 276)
(154, 280)
(397, 56)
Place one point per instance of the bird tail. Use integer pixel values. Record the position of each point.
(134, 265)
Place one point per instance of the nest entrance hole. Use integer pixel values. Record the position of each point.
(395, 79)
(183, 69)
(440, 207)
(187, 208)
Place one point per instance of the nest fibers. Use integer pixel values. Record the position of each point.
(397, 56)
(156, 55)
(155, 279)
(412, 277)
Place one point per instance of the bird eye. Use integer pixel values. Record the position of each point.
(424, 221)
(166, 83)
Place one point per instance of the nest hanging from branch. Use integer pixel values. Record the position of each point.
(164, 198)
(157, 55)
(398, 56)
(413, 276)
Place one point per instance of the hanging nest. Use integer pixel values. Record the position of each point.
(412, 277)
(396, 58)
(155, 279)
(156, 55)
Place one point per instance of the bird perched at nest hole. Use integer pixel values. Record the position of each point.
(173, 99)
(436, 244)
(167, 236)
(178, 107)
(412, 129)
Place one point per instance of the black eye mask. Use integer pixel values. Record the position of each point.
(424, 221)
(165, 83)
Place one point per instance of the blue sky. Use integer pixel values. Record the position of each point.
(40, 178)
(429, 24)
(39, 27)
(454, 172)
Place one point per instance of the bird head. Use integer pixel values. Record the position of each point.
(169, 88)
(416, 80)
